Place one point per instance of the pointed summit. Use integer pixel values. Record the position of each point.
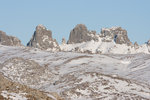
(40, 27)
(42, 39)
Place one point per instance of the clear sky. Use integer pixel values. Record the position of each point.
(20, 17)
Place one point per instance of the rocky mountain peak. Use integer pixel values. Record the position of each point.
(9, 40)
(117, 34)
(81, 27)
(81, 34)
(42, 30)
(42, 39)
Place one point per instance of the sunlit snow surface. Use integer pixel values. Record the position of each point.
(81, 76)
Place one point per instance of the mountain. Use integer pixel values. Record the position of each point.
(9, 40)
(78, 76)
(90, 66)
(42, 39)
(110, 41)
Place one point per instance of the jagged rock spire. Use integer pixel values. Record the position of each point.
(42, 39)
(117, 34)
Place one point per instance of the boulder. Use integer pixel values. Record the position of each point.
(42, 39)
(81, 34)
(9, 40)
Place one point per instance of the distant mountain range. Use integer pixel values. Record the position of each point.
(110, 41)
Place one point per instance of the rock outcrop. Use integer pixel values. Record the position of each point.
(26, 70)
(81, 34)
(148, 42)
(136, 46)
(42, 39)
(10, 90)
(9, 40)
(116, 34)
(63, 41)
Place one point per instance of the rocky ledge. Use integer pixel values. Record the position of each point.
(9, 40)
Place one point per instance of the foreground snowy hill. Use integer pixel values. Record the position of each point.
(79, 76)
(10, 90)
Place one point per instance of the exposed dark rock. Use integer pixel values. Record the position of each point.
(88, 51)
(42, 39)
(81, 34)
(116, 34)
(9, 40)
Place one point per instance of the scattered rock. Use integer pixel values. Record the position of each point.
(25, 71)
(9, 40)
(81, 34)
(42, 39)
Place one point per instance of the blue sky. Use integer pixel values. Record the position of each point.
(20, 17)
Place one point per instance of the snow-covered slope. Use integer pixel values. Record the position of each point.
(79, 76)
(10, 90)
(104, 47)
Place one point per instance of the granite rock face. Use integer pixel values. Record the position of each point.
(116, 34)
(42, 39)
(9, 40)
(81, 34)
